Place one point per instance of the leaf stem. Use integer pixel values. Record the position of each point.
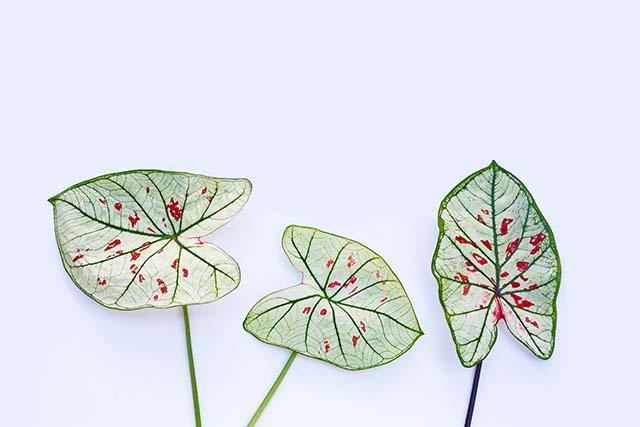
(472, 398)
(272, 390)
(192, 368)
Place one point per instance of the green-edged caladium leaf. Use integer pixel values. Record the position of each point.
(350, 309)
(131, 240)
(496, 259)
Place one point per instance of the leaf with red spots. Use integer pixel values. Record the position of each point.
(513, 274)
(120, 234)
(345, 287)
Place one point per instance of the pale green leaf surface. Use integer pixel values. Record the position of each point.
(131, 240)
(496, 259)
(350, 309)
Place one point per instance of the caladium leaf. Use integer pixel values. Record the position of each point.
(131, 240)
(496, 259)
(350, 309)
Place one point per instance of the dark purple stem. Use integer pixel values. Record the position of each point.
(472, 398)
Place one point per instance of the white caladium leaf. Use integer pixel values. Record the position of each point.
(131, 240)
(496, 260)
(349, 310)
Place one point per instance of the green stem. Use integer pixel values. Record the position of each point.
(272, 390)
(192, 368)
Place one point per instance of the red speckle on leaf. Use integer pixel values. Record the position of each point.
(145, 246)
(163, 289)
(479, 258)
(363, 326)
(383, 300)
(148, 190)
(485, 211)
(378, 275)
(133, 219)
(464, 241)
(204, 190)
(334, 284)
(480, 219)
(504, 274)
(504, 226)
(329, 263)
(174, 209)
(327, 347)
(351, 281)
(117, 206)
(112, 245)
(174, 264)
(151, 230)
(523, 278)
(102, 282)
(155, 297)
(470, 267)
(512, 246)
(119, 252)
(140, 278)
(354, 340)
(133, 268)
(465, 290)
(77, 258)
(102, 201)
(535, 250)
(160, 282)
(487, 244)
(521, 302)
(306, 310)
(352, 290)
(532, 322)
(515, 284)
(461, 277)
(185, 273)
(532, 287)
(135, 255)
(537, 239)
(323, 312)
(522, 265)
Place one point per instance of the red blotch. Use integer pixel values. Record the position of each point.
(537, 239)
(480, 219)
(185, 273)
(378, 275)
(521, 302)
(327, 347)
(532, 322)
(522, 265)
(148, 190)
(535, 250)
(155, 297)
(174, 264)
(363, 326)
(306, 310)
(140, 278)
(515, 284)
(461, 277)
(470, 267)
(160, 282)
(532, 287)
(383, 300)
(135, 255)
(512, 246)
(485, 211)
(329, 263)
(77, 258)
(113, 244)
(102, 282)
(465, 290)
(351, 281)
(504, 274)
(523, 277)
(323, 312)
(487, 244)
(151, 230)
(204, 190)
(133, 219)
(102, 201)
(504, 226)
(174, 209)
(334, 284)
(479, 259)
(354, 340)
(464, 241)
(351, 261)
(117, 206)
(163, 289)
(133, 268)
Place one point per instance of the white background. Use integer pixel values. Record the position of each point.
(357, 118)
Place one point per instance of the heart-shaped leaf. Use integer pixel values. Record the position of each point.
(496, 259)
(350, 309)
(131, 240)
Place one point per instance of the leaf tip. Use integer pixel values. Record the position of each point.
(494, 164)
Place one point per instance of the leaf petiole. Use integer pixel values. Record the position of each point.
(192, 368)
(472, 398)
(272, 390)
